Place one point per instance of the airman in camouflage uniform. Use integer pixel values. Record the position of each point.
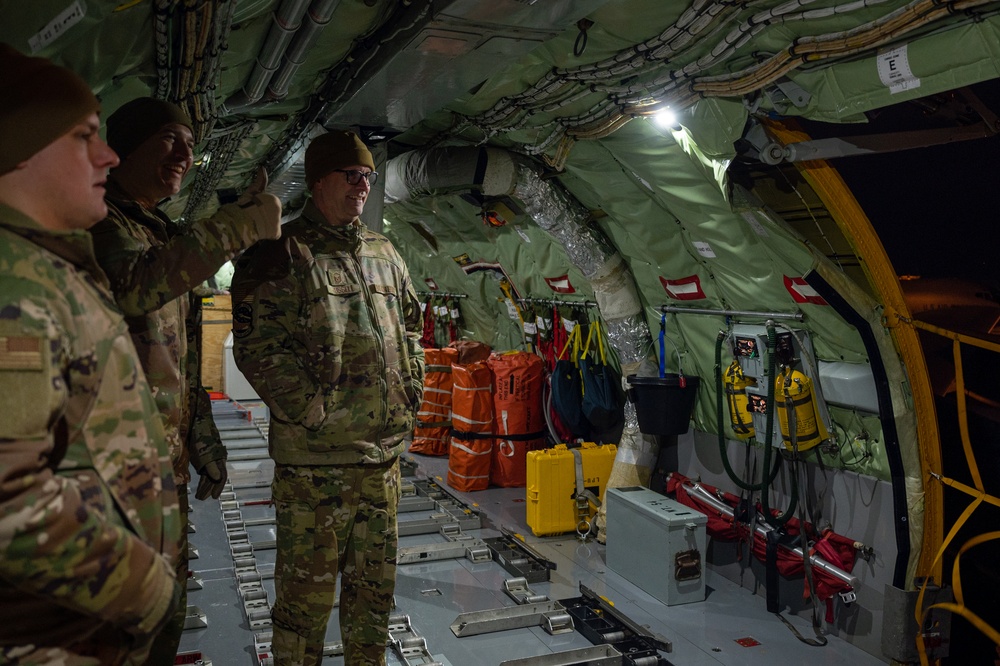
(153, 263)
(89, 522)
(326, 327)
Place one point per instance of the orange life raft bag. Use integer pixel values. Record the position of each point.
(430, 437)
(470, 442)
(518, 413)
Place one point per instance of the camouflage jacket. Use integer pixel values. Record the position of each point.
(326, 327)
(89, 522)
(152, 266)
(203, 435)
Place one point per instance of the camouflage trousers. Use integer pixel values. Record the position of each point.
(110, 646)
(334, 519)
(165, 645)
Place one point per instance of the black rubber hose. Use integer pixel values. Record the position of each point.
(772, 382)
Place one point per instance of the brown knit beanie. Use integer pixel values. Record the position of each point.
(136, 121)
(335, 150)
(41, 102)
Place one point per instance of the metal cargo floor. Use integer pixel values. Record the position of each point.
(432, 594)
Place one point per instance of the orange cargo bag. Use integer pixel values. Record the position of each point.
(430, 437)
(470, 443)
(518, 413)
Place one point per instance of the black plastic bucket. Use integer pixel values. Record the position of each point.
(662, 406)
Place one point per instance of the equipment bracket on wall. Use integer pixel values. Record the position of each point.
(797, 316)
(557, 301)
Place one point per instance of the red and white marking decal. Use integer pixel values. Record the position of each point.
(560, 285)
(685, 289)
(802, 291)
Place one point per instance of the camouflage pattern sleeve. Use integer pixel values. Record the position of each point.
(204, 443)
(53, 543)
(267, 317)
(414, 330)
(145, 278)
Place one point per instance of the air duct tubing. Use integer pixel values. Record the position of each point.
(421, 173)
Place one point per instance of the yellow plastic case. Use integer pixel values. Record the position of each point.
(551, 485)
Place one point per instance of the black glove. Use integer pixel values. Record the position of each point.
(213, 478)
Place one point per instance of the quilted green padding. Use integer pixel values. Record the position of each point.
(456, 229)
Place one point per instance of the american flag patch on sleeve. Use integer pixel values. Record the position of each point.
(20, 352)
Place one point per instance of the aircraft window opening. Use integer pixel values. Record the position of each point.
(977, 492)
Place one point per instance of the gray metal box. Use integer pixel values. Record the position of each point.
(656, 543)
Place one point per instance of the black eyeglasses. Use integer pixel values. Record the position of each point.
(354, 177)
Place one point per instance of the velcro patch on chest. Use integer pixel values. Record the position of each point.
(343, 289)
(20, 352)
(340, 283)
(384, 289)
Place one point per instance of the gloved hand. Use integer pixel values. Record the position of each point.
(263, 209)
(213, 478)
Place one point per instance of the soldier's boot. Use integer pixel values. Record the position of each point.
(292, 649)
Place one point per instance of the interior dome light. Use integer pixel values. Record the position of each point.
(665, 118)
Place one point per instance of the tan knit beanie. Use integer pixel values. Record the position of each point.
(136, 121)
(335, 150)
(41, 102)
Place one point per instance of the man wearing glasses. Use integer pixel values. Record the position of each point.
(326, 328)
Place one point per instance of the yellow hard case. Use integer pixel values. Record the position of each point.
(551, 486)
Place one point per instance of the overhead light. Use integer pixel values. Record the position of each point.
(666, 118)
